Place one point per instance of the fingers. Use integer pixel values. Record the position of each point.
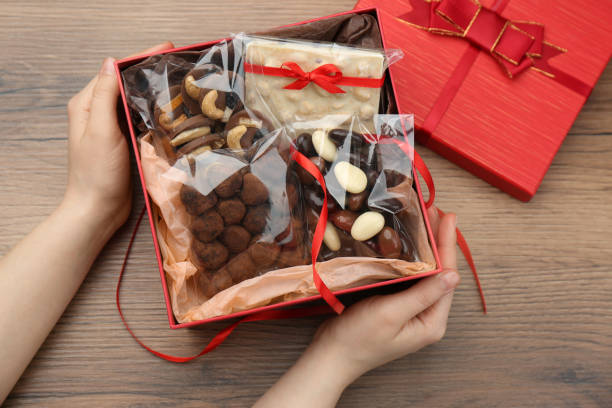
(103, 108)
(79, 105)
(434, 220)
(405, 305)
(437, 315)
(78, 109)
(447, 242)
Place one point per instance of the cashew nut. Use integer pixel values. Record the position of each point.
(234, 136)
(209, 108)
(190, 86)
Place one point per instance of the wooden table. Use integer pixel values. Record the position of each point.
(546, 266)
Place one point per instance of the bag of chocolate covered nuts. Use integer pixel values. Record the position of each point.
(234, 212)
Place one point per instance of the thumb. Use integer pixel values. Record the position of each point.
(103, 110)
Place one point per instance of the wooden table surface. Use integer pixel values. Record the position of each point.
(546, 266)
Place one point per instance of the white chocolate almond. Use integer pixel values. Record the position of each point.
(323, 146)
(350, 177)
(367, 225)
(331, 237)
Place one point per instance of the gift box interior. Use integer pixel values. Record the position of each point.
(170, 212)
(495, 85)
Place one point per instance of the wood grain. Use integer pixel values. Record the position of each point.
(546, 266)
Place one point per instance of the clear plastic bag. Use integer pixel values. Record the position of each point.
(298, 81)
(369, 182)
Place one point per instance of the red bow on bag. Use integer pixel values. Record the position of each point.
(327, 76)
(516, 45)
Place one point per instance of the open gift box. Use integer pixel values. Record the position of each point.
(321, 29)
(495, 85)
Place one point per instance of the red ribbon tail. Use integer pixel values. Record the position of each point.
(225, 332)
(317, 238)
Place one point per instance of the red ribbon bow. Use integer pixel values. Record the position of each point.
(327, 76)
(516, 45)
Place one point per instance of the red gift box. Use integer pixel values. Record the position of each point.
(255, 313)
(495, 87)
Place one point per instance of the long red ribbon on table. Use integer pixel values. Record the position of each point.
(327, 76)
(326, 293)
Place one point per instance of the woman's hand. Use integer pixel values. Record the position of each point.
(383, 328)
(98, 156)
(372, 332)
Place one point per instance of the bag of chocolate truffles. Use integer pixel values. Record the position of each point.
(234, 213)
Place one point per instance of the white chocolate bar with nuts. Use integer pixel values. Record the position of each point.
(285, 107)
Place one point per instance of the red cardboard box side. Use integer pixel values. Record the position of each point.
(506, 131)
(122, 64)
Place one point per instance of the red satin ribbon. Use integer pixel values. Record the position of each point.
(317, 239)
(328, 76)
(326, 293)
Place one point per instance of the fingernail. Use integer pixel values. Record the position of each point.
(108, 67)
(450, 279)
(455, 220)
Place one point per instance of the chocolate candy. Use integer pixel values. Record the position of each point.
(389, 243)
(232, 210)
(344, 219)
(191, 129)
(230, 186)
(263, 254)
(305, 177)
(168, 111)
(207, 226)
(254, 192)
(241, 268)
(211, 255)
(256, 219)
(367, 225)
(195, 202)
(244, 128)
(356, 202)
(217, 97)
(191, 86)
(304, 144)
(235, 238)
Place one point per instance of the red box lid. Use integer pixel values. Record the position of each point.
(504, 130)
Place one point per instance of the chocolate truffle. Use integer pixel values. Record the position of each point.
(256, 219)
(221, 279)
(232, 210)
(263, 253)
(195, 202)
(241, 268)
(291, 257)
(207, 226)
(230, 185)
(204, 281)
(254, 192)
(235, 238)
(211, 255)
